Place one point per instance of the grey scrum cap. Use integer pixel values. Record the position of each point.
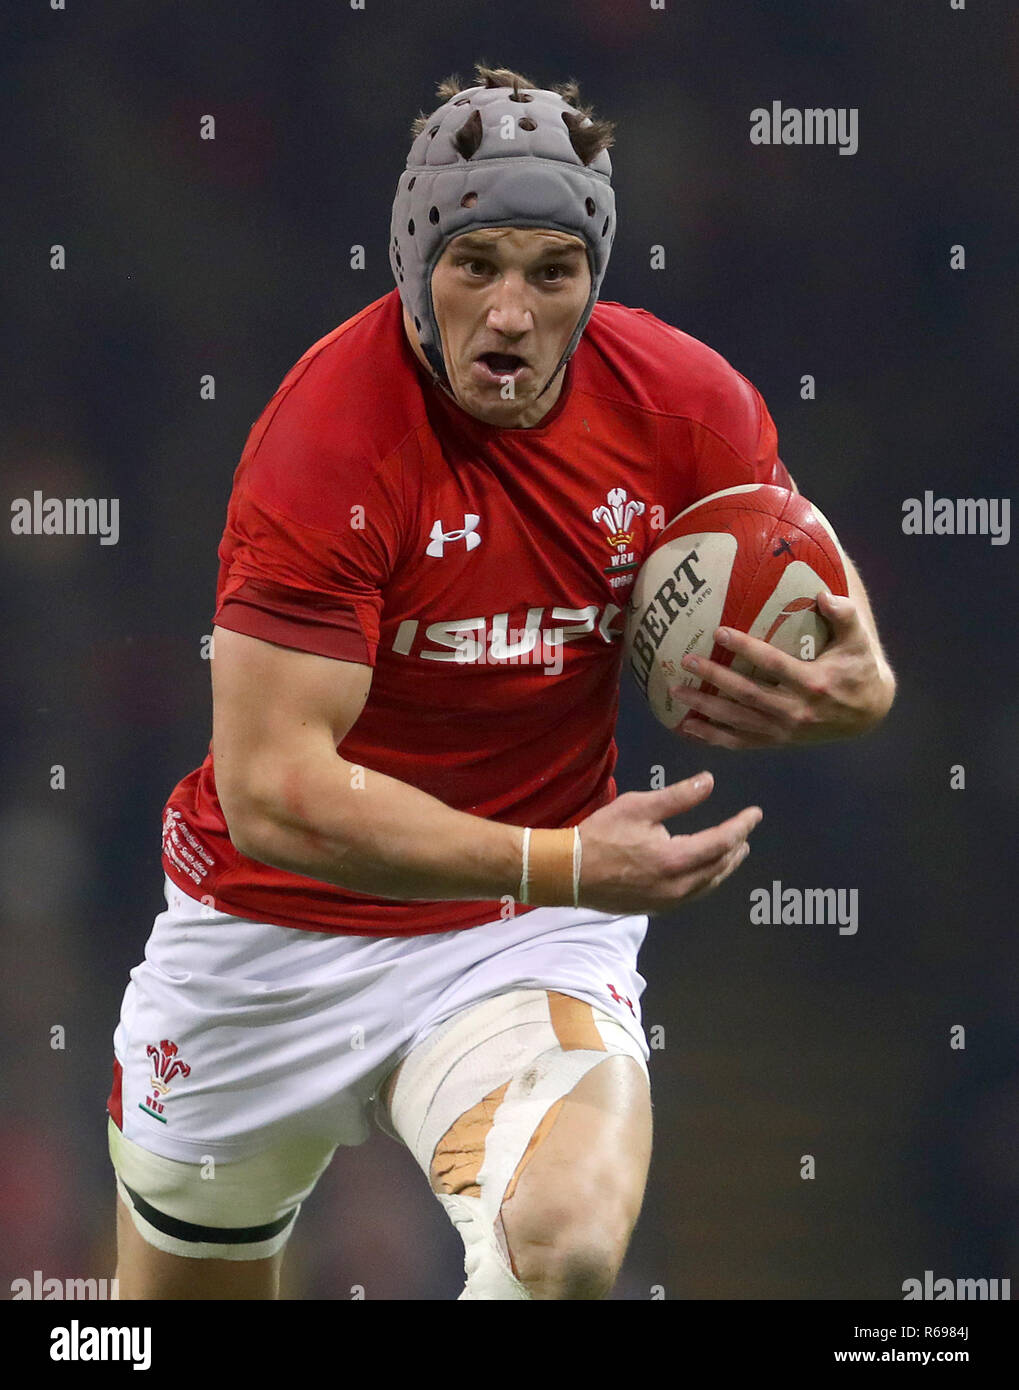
(496, 157)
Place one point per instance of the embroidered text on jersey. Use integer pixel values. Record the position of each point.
(617, 517)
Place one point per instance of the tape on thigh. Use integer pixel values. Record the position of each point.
(475, 1101)
(246, 1211)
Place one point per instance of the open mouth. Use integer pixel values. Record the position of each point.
(501, 364)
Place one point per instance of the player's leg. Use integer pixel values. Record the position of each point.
(145, 1272)
(531, 1075)
(207, 1230)
(569, 1219)
(215, 1141)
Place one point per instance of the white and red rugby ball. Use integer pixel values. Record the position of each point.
(753, 558)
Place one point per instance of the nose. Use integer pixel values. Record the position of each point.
(509, 313)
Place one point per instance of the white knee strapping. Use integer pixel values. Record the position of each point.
(252, 1192)
(509, 1038)
(489, 1275)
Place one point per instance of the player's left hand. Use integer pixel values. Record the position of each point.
(846, 691)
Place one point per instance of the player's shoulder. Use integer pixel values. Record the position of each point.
(348, 401)
(638, 358)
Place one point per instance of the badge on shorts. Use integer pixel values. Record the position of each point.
(165, 1066)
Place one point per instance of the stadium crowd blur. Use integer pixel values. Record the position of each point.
(229, 257)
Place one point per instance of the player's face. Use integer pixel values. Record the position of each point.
(507, 300)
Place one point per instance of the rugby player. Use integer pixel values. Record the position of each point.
(402, 885)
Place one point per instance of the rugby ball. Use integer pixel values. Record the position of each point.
(754, 558)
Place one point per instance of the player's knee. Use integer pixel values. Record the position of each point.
(572, 1239)
(569, 1245)
(528, 1230)
(578, 1261)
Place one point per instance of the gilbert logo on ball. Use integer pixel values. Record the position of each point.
(753, 558)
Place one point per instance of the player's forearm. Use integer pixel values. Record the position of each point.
(337, 822)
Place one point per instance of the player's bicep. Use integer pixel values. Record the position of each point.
(274, 706)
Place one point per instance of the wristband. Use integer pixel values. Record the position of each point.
(525, 870)
(578, 859)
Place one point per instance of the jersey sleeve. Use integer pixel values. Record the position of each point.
(311, 537)
(736, 441)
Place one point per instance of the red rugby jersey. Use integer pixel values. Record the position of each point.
(482, 572)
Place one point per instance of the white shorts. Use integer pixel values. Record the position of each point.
(237, 1035)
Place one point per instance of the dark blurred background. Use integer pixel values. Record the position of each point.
(230, 257)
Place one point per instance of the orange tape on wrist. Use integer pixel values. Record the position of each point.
(550, 868)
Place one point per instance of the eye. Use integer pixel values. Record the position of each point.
(474, 265)
(555, 272)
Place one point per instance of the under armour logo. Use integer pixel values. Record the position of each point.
(622, 999)
(469, 533)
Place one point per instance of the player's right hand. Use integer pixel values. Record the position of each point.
(631, 863)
